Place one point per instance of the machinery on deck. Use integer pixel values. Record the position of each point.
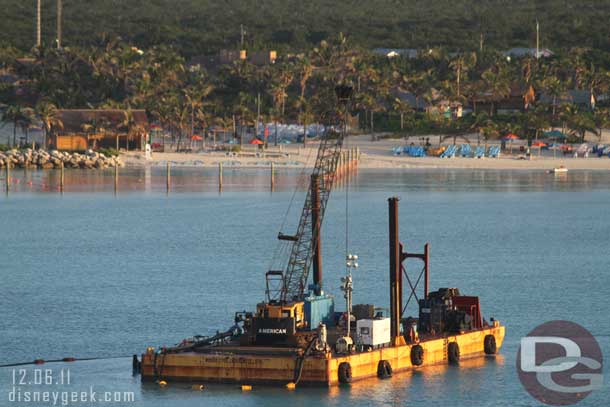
(293, 311)
(295, 333)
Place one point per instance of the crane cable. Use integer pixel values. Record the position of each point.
(282, 246)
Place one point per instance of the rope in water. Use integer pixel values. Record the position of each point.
(63, 360)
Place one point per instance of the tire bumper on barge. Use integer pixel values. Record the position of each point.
(270, 367)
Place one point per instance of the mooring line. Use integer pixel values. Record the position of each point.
(63, 360)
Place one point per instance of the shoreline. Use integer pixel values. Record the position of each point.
(373, 155)
(367, 162)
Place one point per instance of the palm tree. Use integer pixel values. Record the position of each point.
(498, 85)
(28, 119)
(578, 122)
(461, 65)
(13, 114)
(280, 81)
(601, 117)
(194, 96)
(403, 108)
(47, 113)
(554, 88)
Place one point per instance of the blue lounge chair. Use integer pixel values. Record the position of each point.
(466, 150)
(494, 152)
(415, 151)
(479, 152)
(449, 152)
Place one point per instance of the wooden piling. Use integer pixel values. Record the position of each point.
(350, 160)
(220, 176)
(168, 177)
(8, 176)
(116, 178)
(272, 175)
(61, 176)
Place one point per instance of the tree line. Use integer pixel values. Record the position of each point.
(206, 26)
(299, 88)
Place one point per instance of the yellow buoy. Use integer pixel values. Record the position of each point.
(162, 383)
(197, 387)
(246, 387)
(291, 386)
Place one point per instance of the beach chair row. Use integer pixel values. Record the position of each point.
(465, 150)
(412, 151)
(601, 150)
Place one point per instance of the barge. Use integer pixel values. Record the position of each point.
(295, 336)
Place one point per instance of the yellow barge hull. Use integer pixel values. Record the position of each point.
(264, 367)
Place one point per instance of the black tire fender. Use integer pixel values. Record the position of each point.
(453, 353)
(417, 355)
(384, 369)
(489, 345)
(345, 373)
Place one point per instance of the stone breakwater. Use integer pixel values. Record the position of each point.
(47, 160)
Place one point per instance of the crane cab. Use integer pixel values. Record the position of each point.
(279, 311)
(276, 324)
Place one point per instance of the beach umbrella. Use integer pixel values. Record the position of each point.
(256, 141)
(510, 137)
(539, 144)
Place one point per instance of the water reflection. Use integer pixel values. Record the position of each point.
(198, 179)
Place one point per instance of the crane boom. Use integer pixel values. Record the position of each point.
(301, 254)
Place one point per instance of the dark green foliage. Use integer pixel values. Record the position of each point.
(205, 26)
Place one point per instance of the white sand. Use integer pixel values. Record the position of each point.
(374, 155)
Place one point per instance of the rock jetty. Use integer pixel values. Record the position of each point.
(47, 160)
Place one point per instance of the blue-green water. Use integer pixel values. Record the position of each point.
(90, 274)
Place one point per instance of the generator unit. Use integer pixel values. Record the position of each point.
(446, 310)
(373, 332)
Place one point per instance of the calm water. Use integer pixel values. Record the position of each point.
(90, 274)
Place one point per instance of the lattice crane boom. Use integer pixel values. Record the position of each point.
(304, 241)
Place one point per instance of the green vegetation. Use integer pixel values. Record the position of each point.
(108, 152)
(146, 67)
(206, 26)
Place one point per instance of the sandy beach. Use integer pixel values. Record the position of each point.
(374, 155)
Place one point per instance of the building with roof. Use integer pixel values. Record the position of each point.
(519, 52)
(83, 129)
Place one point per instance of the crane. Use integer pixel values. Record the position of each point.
(284, 308)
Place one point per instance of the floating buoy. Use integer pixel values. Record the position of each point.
(246, 387)
(199, 387)
(39, 362)
(291, 386)
(68, 359)
(162, 383)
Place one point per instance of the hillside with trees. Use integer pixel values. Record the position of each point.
(206, 26)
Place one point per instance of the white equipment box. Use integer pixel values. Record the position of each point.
(374, 332)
